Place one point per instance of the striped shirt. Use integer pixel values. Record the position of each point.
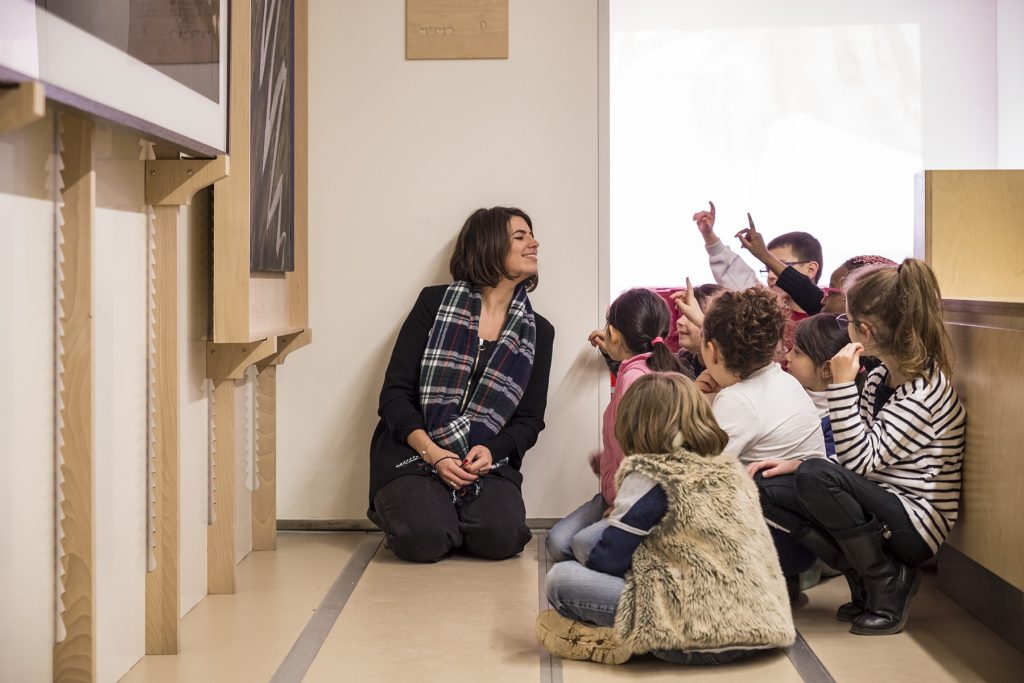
(913, 447)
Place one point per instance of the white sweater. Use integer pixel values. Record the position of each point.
(769, 415)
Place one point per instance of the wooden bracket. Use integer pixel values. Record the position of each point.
(229, 361)
(175, 181)
(286, 343)
(21, 105)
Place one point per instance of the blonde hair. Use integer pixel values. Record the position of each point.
(664, 411)
(904, 305)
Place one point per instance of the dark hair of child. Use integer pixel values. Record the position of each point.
(821, 337)
(805, 247)
(746, 328)
(640, 316)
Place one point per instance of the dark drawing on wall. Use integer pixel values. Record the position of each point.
(272, 193)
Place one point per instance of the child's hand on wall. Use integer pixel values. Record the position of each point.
(595, 462)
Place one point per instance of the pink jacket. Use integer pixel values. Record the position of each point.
(630, 370)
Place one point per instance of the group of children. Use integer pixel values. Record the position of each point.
(795, 424)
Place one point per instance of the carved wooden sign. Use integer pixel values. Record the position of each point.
(456, 29)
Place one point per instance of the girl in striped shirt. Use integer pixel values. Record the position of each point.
(892, 499)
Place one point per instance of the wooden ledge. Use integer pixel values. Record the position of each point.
(175, 181)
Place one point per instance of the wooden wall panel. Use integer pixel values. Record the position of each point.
(989, 345)
(74, 655)
(972, 232)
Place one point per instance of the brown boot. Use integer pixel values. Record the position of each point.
(570, 639)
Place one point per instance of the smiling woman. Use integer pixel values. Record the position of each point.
(463, 400)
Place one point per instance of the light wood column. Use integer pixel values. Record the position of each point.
(264, 498)
(74, 654)
(170, 184)
(220, 538)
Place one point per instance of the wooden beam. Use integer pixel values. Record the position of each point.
(74, 655)
(230, 361)
(220, 538)
(298, 279)
(21, 105)
(170, 184)
(162, 585)
(231, 205)
(264, 497)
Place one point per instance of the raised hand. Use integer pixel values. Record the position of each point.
(687, 304)
(705, 221)
(752, 241)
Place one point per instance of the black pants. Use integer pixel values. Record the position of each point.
(423, 525)
(832, 498)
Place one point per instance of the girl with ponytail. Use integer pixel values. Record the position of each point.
(637, 323)
(892, 499)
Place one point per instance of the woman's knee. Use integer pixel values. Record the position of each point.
(424, 544)
(498, 540)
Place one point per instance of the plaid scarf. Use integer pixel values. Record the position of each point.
(447, 368)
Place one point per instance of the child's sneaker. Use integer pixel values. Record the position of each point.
(570, 639)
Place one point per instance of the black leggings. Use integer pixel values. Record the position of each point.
(830, 497)
(423, 525)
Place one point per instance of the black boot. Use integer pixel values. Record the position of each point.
(888, 583)
(822, 545)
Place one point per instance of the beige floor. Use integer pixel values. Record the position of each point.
(469, 620)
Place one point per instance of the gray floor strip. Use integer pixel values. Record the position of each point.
(550, 667)
(303, 652)
(807, 663)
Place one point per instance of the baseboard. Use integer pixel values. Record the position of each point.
(536, 523)
(990, 599)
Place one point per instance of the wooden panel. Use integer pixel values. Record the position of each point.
(175, 181)
(974, 232)
(456, 29)
(298, 280)
(74, 656)
(21, 105)
(221, 534)
(162, 583)
(264, 498)
(231, 196)
(989, 365)
(268, 304)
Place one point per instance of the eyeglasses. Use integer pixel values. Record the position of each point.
(844, 320)
(829, 291)
(765, 271)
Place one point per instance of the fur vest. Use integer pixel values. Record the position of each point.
(707, 577)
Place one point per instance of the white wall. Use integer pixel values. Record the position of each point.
(26, 405)
(120, 307)
(120, 342)
(1010, 67)
(401, 152)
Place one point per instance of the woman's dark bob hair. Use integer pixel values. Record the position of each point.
(483, 245)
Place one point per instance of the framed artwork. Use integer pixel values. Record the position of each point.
(156, 66)
(271, 151)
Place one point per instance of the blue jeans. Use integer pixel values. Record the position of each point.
(585, 595)
(577, 533)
